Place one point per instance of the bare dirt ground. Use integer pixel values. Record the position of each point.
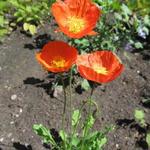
(24, 98)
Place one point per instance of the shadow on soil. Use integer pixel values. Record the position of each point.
(38, 42)
(145, 94)
(141, 143)
(47, 86)
(50, 82)
(19, 146)
(142, 131)
(124, 122)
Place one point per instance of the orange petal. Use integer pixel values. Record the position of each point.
(83, 9)
(92, 33)
(57, 50)
(60, 11)
(86, 66)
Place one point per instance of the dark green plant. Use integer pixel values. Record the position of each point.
(141, 6)
(119, 26)
(148, 138)
(29, 13)
(4, 22)
(139, 116)
(88, 140)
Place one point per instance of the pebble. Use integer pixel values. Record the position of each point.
(57, 91)
(0, 68)
(12, 139)
(117, 145)
(26, 144)
(13, 97)
(138, 71)
(20, 110)
(12, 122)
(1, 139)
(17, 115)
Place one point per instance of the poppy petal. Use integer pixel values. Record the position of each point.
(100, 66)
(76, 18)
(92, 33)
(60, 11)
(57, 56)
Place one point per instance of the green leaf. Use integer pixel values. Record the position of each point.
(3, 32)
(76, 117)
(63, 135)
(146, 30)
(138, 45)
(90, 121)
(148, 139)
(85, 84)
(126, 9)
(92, 135)
(147, 20)
(2, 21)
(28, 19)
(26, 26)
(40, 130)
(102, 142)
(51, 2)
(19, 19)
(14, 3)
(32, 29)
(75, 141)
(3, 5)
(139, 114)
(29, 9)
(118, 16)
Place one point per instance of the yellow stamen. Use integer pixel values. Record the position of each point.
(75, 24)
(58, 63)
(100, 69)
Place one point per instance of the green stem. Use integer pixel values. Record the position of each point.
(80, 110)
(85, 131)
(70, 96)
(64, 108)
(90, 99)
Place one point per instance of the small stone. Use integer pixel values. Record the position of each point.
(26, 144)
(17, 115)
(117, 145)
(13, 97)
(12, 122)
(1, 139)
(20, 110)
(138, 71)
(5, 86)
(12, 139)
(57, 91)
(0, 68)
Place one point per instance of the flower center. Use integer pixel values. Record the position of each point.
(75, 24)
(58, 63)
(100, 69)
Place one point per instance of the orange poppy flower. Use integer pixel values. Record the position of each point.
(57, 56)
(99, 66)
(76, 18)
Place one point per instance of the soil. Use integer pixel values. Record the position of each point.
(25, 96)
